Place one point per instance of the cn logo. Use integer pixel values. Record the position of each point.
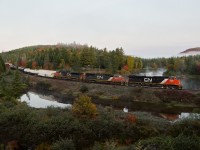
(99, 77)
(69, 75)
(147, 79)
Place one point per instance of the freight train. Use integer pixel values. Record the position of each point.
(131, 80)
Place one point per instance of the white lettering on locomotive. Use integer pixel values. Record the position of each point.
(147, 79)
(99, 77)
(69, 75)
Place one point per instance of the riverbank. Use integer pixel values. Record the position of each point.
(134, 98)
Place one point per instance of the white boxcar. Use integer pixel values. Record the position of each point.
(27, 70)
(46, 73)
(34, 72)
(31, 71)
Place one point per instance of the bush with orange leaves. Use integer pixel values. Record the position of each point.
(84, 107)
(130, 118)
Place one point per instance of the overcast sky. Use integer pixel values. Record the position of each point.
(145, 28)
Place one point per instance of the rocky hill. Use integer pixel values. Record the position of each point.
(191, 51)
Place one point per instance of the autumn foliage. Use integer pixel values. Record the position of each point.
(84, 107)
(130, 118)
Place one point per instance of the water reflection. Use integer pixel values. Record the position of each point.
(191, 82)
(189, 116)
(152, 72)
(40, 101)
(181, 116)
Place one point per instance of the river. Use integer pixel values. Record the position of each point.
(189, 82)
(42, 101)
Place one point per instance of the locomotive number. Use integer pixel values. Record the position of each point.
(147, 79)
(99, 77)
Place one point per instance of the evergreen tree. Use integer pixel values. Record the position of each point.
(120, 56)
(114, 59)
(46, 61)
(87, 57)
(62, 64)
(2, 66)
(106, 60)
(17, 85)
(75, 60)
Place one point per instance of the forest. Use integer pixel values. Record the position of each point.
(72, 57)
(189, 65)
(86, 125)
(76, 57)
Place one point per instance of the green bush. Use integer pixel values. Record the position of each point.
(83, 89)
(63, 144)
(181, 142)
(186, 143)
(108, 145)
(188, 127)
(156, 143)
(42, 85)
(111, 146)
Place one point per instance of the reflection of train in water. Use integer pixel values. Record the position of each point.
(131, 80)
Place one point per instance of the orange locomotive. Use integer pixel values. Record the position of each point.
(155, 81)
(131, 80)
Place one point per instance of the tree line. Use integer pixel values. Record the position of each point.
(76, 57)
(73, 57)
(176, 65)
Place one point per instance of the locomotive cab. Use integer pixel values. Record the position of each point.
(173, 82)
(117, 78)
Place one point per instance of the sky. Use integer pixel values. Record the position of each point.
(143, 28)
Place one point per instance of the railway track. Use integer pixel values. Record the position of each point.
(111, 84)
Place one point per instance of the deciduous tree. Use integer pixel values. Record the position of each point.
(84, 107)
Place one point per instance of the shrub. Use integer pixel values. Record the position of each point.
(186, 143)
(83, 89)
(174, 95)
(188, 127)
(156, 143)
(42, 85)
(84, 107)
(108, 145)
(63, 144)
(130, 118)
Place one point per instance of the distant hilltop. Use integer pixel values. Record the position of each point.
(191, 51)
